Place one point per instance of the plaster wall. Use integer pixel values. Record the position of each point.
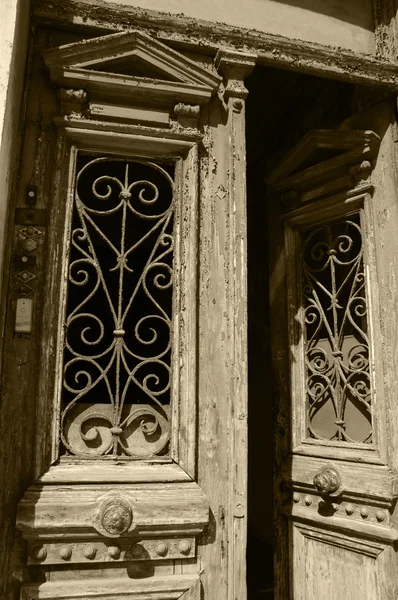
(348, 24)
(13, 50)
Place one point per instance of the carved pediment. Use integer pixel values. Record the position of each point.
(132, 66)
(324, 162)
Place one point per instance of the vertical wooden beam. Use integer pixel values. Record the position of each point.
(234, 67)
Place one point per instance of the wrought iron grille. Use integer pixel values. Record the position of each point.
(117, 355)
(338, 386)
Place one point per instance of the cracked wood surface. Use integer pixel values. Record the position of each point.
(208, 37)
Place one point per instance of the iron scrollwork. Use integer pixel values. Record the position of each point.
(117, 357)
(338, 385)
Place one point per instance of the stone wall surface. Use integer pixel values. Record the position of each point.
(348, 24)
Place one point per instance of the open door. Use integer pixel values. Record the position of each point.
(332, 267)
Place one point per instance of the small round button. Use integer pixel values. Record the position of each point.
(184, 547)
(364, 512)
(349, 509)
(41, 554)
(308, 500)
(114, 552)
(296, 497)
(138, 551)
(90, 551)
(65, 552)
(162, 549)
(380, 515)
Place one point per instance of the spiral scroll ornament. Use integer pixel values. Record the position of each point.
(338, 385)
(117, 356)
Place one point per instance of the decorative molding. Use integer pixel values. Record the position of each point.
(357, 509)
(334, 161)
(49, 513)
(234, 67)
(187, 110)
(169, 587)
(86, 472)
(129, 138)
(70, 551)
(333, 523)
(150, 117)
(98, 66)
(367, 546)
(361, 483)
(187, 114)
(108, 51)
(73, 102)
(206, 36)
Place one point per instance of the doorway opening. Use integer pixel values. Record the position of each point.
(281, 108)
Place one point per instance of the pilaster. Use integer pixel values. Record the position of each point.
(234, 67)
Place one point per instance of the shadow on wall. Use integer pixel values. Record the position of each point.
(356, 12)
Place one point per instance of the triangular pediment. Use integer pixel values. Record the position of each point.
(323, 150)
(324, 162)
(124, 62)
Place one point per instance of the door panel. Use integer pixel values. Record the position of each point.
(107, 509)
(339, 491)
(321, 560)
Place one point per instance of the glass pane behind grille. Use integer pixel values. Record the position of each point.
(117, 356)
(336, 333)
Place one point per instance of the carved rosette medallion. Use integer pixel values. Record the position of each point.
(116, 516)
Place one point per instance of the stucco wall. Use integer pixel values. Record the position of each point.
(344, 23)
(13, 46)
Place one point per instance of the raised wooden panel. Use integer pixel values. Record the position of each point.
(157, 588)
(324, 570)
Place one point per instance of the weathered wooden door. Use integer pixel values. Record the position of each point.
(333, 306)
(126, 313)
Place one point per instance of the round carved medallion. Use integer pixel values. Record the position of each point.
(116, 516)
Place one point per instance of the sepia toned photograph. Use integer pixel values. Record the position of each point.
(198, 300)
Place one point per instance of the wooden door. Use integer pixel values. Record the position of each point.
(333, 331)
(127, 313)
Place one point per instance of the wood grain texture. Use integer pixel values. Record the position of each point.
(214, 465)
(69, 509)
(235, 67)
(193, 593)
(158, 588)
(117, 471)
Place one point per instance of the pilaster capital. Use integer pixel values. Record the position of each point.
(234, 67)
